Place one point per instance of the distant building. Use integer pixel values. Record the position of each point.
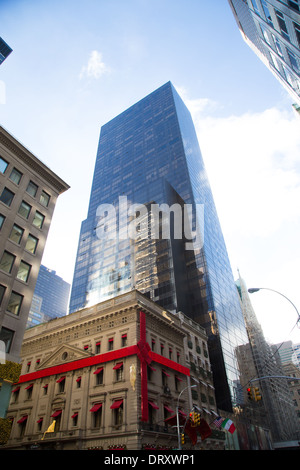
(272, 30)
(28, 194)
(5, 50)
(111, 376)
(50, 298)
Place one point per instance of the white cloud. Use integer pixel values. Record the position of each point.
(95, 67)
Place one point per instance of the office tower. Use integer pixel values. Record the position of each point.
(28, 194)
(275, 409)
(149, 155)
(5, 50)
(272, 30)
(50, 297)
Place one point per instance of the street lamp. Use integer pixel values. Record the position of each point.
(256, 289)
(177, 415)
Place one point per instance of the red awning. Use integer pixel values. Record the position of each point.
(61, 379)
(16, 390)
(74, 415)
(98, 370)
(96, 407)
(56, 413)
(116, 404)
(169, 410)
(178, 378)
(164, 372)
(45, 386)
(23, 419)
(40, 420)
(78, 379)
(29, 387)
(118, 366)
(153, 405)
(152, 368)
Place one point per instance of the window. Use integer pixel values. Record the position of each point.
(277, 45)
(99, 376)
(7, 197)
(44, 199)
(15, 176)
(3, 165)
(74, 419)
(2, 290)
(61, 384)
(267, 13)
(39, 424)
(294, 4)
(97, 413)
(31, 244)
(24, 209)
(29, 391)
(124, 340)
(15, 302)
(16, 234)
(45, 389)
(282, 25)
(23, 272)
(119, 371)
(6, 336)
(38, 220)
(78, 382)
(117, 408)
(255, 7)
(297, 31)
(110, 344)
(293, 60)
(32, 188)
(2, 218)
(98, 347)
(7, 262)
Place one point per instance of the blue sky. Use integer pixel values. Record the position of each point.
(75, 65)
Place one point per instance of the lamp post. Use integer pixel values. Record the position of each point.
(177, 415)
(256, 289)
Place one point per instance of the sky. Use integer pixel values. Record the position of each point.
(75, 65)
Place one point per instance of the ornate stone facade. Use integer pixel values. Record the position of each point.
(110, 375)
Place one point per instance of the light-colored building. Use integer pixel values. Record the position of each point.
(110, 375)
(28, 194)
(271, 28)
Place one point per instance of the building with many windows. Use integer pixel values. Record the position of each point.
(110, 376)
(50, 298)
(28, 194)
(272, 30)
(5, 50)
(148, 169)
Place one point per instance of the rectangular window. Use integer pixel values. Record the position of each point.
(110, 344)
(24, 271)
(15, 176)
(2, 291)
(32, 188)
(16, 234)
(7, 262)
(267, 13)
(38, 220)
(31, 244)
(297, 31)
(6, 336)
(124, 340)
(282, 25)
(24, 209)
(293, 60)
(7, 197)
(294, 4)
(15, 302)
(2, 218)
(44, 199)
(3, 165)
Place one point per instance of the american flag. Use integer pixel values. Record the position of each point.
(218, 421)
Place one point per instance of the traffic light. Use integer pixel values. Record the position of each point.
(197, 418)
(182, 439)
(257, 395)
(250, 393)
(192, 418)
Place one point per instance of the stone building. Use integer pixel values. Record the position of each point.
(109, 376)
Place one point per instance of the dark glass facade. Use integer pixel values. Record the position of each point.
(5, 50)
(150, 155)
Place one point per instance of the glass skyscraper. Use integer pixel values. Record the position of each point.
(272, 30)
(149, 155)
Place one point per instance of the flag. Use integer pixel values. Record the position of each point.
(218, 421)
(228, 425)
(50, 428)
